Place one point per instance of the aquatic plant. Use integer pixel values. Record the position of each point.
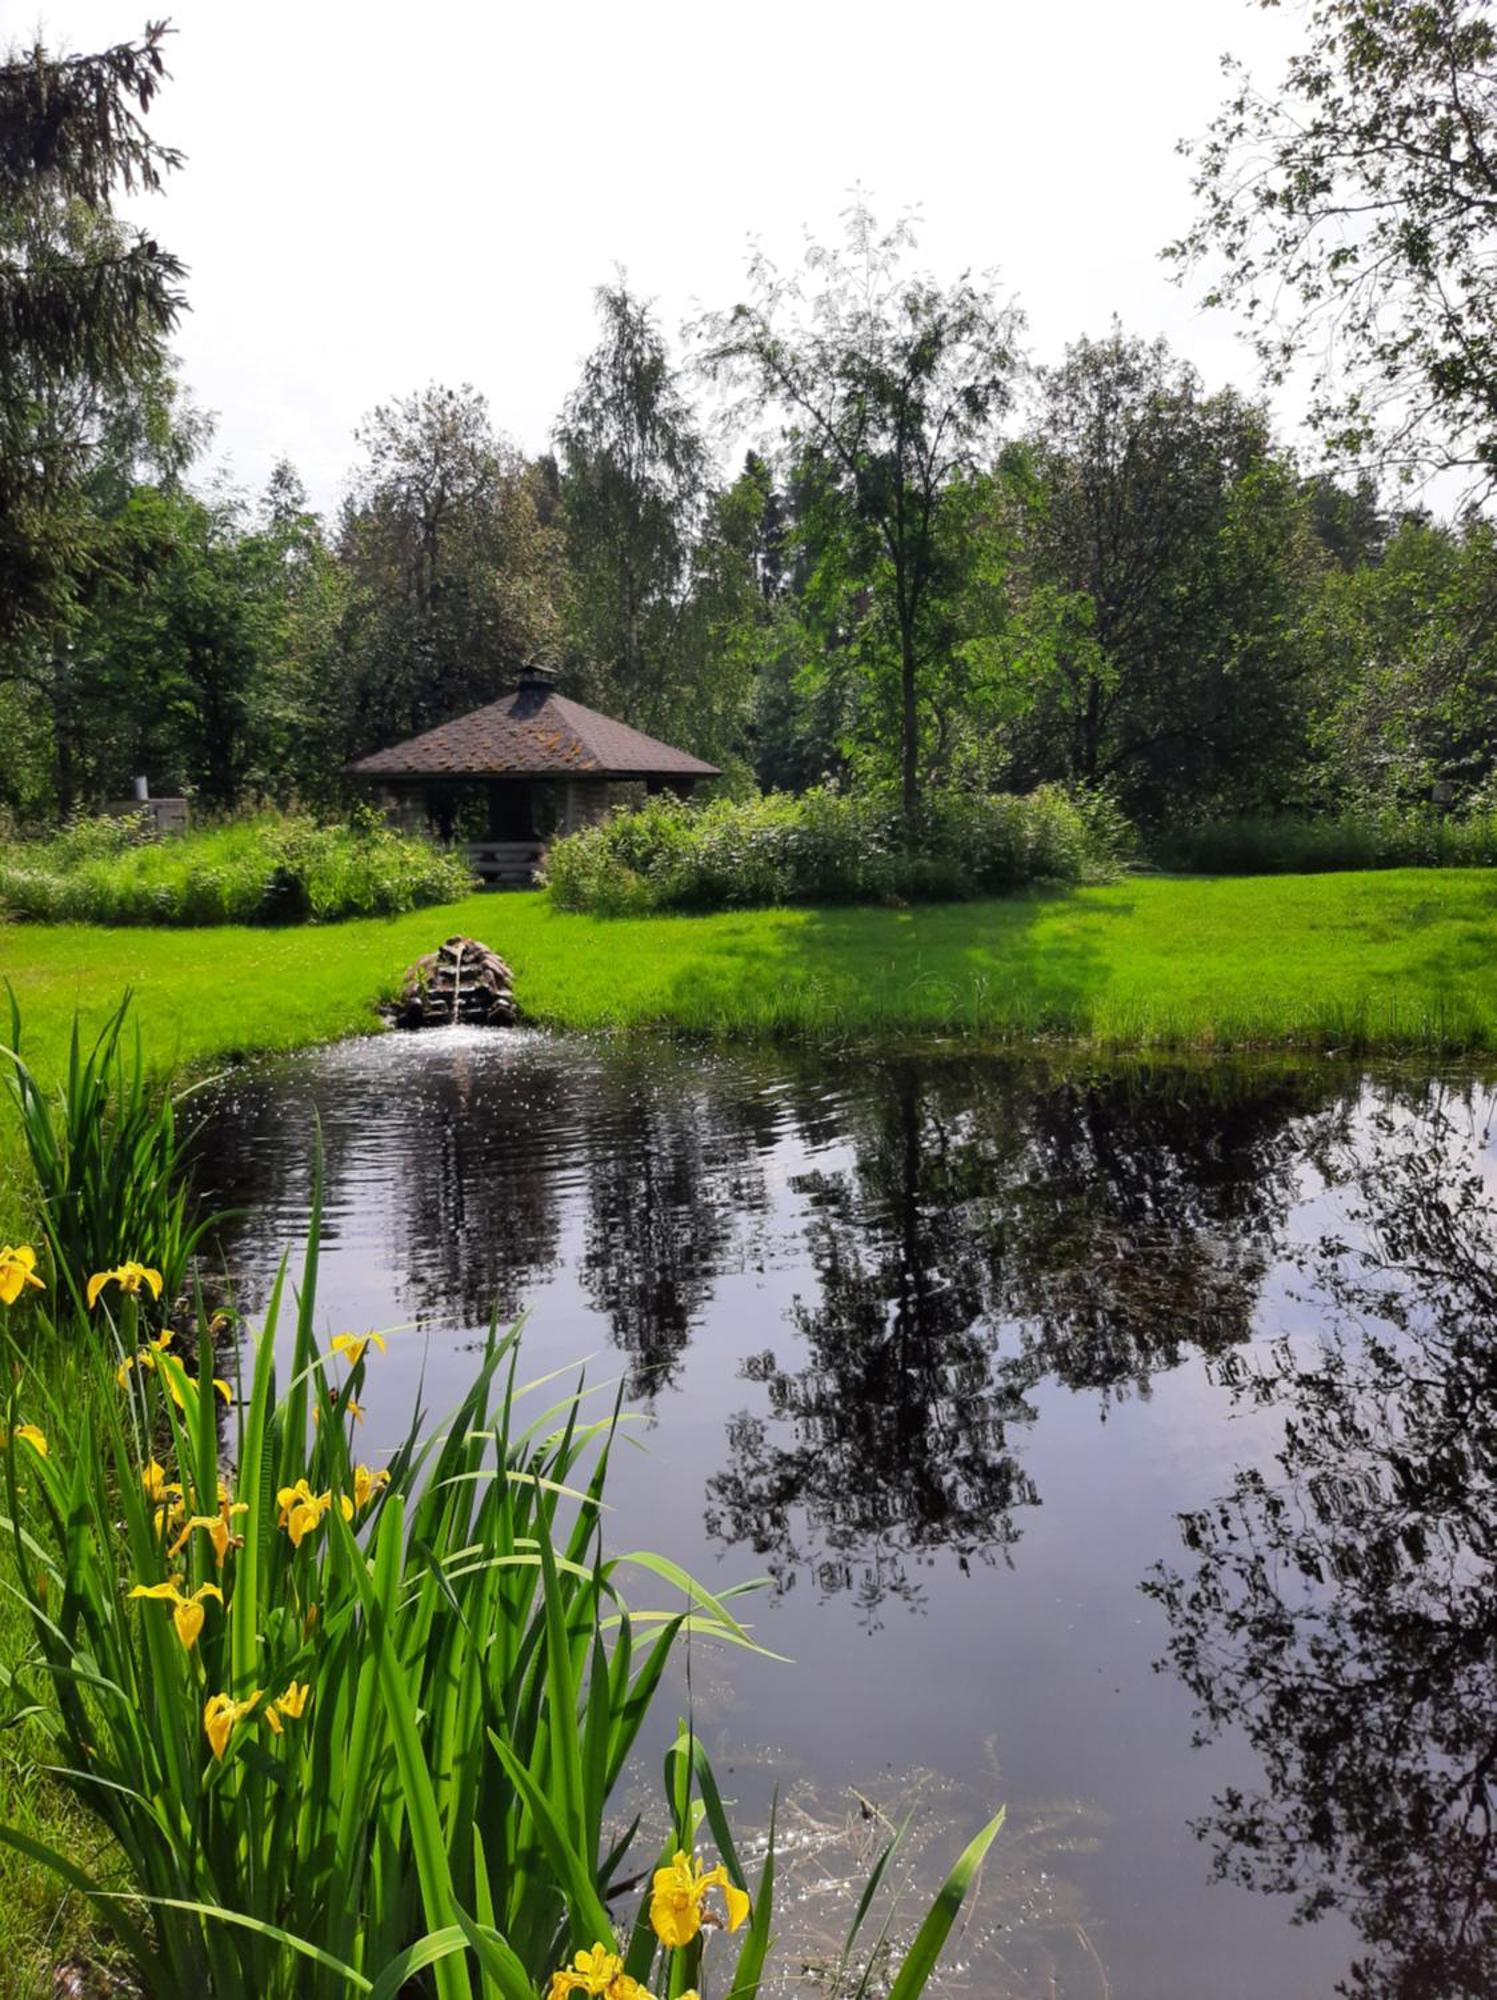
(108, 1162)
(355, 1729)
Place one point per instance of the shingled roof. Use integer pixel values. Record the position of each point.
(533, 733)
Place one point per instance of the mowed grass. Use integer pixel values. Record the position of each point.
(1398, 960)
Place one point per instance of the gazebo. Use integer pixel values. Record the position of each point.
(512, 775)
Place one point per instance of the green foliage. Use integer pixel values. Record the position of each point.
(107, 1163)
(165, 674)
(86, 304)
(447, 568)
(1347, 210)
(268, 869)
(1406, 672)
(633, 485)
(307, 1855)
(1162, 570)
(1408, 837)
(888, 387)
(830, 847)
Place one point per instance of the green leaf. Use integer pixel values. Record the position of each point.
(932, 1935)
(241, 1921)
(498, 1961)
(672, 1573)
(750, 1967)
(377, 1596)
(576, 1881)
(426, 1951)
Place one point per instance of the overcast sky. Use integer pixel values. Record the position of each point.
(377, 196)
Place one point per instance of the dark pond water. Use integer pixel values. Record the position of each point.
(1119, 1444)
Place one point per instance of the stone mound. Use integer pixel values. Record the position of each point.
(462, 980)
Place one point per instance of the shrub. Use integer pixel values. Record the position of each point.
(357, 1731)
(832, 847)
(270, 869)
(1395, 837)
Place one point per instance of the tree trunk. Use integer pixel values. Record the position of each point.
(62, 723)
(63, 771)
(909, 728)
(1092, 740)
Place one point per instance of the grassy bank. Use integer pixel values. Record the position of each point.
(1399, 959)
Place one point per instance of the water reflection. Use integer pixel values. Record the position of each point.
(966, 1338)
(486, 1137)
(1343, 1612)
(992, 1233)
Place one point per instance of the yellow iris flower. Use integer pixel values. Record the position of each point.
(599, 1972)
(301, 1510)
(220, 1387)
(129, 1276)
(352, 1345)
(679, 1896)
(17, 1271)
(291, 1704)
(591, 1972)
(165, 1495)
(33, 1435)
(187, 1612)
(219, 1526)
(356, 1410)
(157, 1486)
(143, 1357)
(366, 1484)
(220, 1713)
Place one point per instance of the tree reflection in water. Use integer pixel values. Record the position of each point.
(663, 1210)
(484, 1141)
(1343, 1612)
(997, 1230)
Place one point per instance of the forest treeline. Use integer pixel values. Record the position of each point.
(843, 530)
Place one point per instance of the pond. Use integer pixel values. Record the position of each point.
(1119, 1444)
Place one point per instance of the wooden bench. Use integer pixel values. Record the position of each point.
(505, 864)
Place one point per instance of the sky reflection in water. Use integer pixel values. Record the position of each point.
(1047, 1399)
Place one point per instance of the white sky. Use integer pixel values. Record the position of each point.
(378, 196)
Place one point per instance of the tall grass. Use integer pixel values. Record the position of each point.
(1399, 837)
(270, 869)
(107, 1161)
(825, 846)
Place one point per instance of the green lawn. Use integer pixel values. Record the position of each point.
(1399, 959)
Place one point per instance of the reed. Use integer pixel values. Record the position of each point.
(107, 1157)
(354, 1730)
